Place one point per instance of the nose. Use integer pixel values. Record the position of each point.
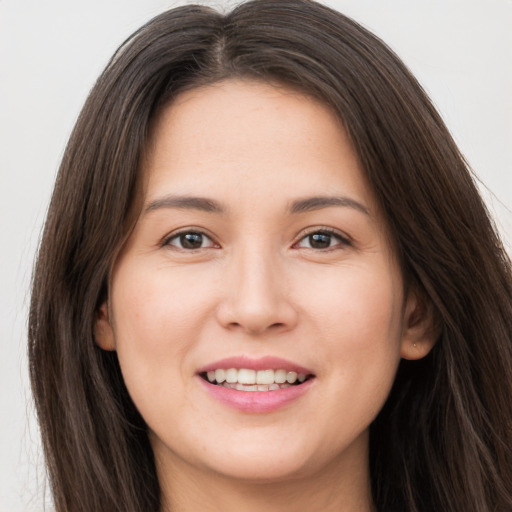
(256, 298)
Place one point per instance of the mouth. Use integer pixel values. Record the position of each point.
(256, 386)
(247, 379)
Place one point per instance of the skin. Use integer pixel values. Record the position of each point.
(258, 286)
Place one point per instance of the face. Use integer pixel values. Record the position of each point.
(260, 250)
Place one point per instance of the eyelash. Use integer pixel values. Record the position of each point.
(176, 236)
(343, 240)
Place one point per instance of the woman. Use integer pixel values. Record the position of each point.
(267, 281)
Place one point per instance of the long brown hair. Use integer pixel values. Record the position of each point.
(443, 441)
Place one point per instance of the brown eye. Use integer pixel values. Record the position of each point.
(319, 240)
(190, 240)
(322, 240)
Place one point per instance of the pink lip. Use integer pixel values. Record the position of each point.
(256, 401)
(263, 363)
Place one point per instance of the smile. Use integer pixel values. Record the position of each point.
(261, 385)
(245, 379)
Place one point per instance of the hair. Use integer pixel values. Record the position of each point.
(443, 440)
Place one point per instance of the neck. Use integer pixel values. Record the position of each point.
(341, 486)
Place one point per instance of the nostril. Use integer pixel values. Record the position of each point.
(256, 328)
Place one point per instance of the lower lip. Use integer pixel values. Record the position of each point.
(256, 401)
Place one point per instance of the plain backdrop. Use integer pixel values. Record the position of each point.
(50, 54)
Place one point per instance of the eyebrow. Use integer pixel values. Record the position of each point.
(211, 206)
(318, 202)
(186, 203)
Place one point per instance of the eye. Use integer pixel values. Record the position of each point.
(189, 240)
(322, 239)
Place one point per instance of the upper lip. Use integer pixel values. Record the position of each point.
(262, 363)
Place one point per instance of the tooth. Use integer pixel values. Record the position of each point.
(232, 375)
(265, 377)
(280, 376)
(244, 379)
(246, 376)
(291, 377)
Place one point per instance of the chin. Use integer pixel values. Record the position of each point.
(263, 470)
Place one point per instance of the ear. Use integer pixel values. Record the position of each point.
(103, 332)
(420, 329)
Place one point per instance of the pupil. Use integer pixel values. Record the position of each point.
(191, 240)
(320, 240)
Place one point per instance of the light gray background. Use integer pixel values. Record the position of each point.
(50, 54)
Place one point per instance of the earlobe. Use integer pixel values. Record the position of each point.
(420, 331)
(103, 332)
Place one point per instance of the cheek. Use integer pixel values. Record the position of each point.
(357, 318)
(157, 316)
(152, 307)
(356, 305)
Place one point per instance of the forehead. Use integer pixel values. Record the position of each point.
(258, 141)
